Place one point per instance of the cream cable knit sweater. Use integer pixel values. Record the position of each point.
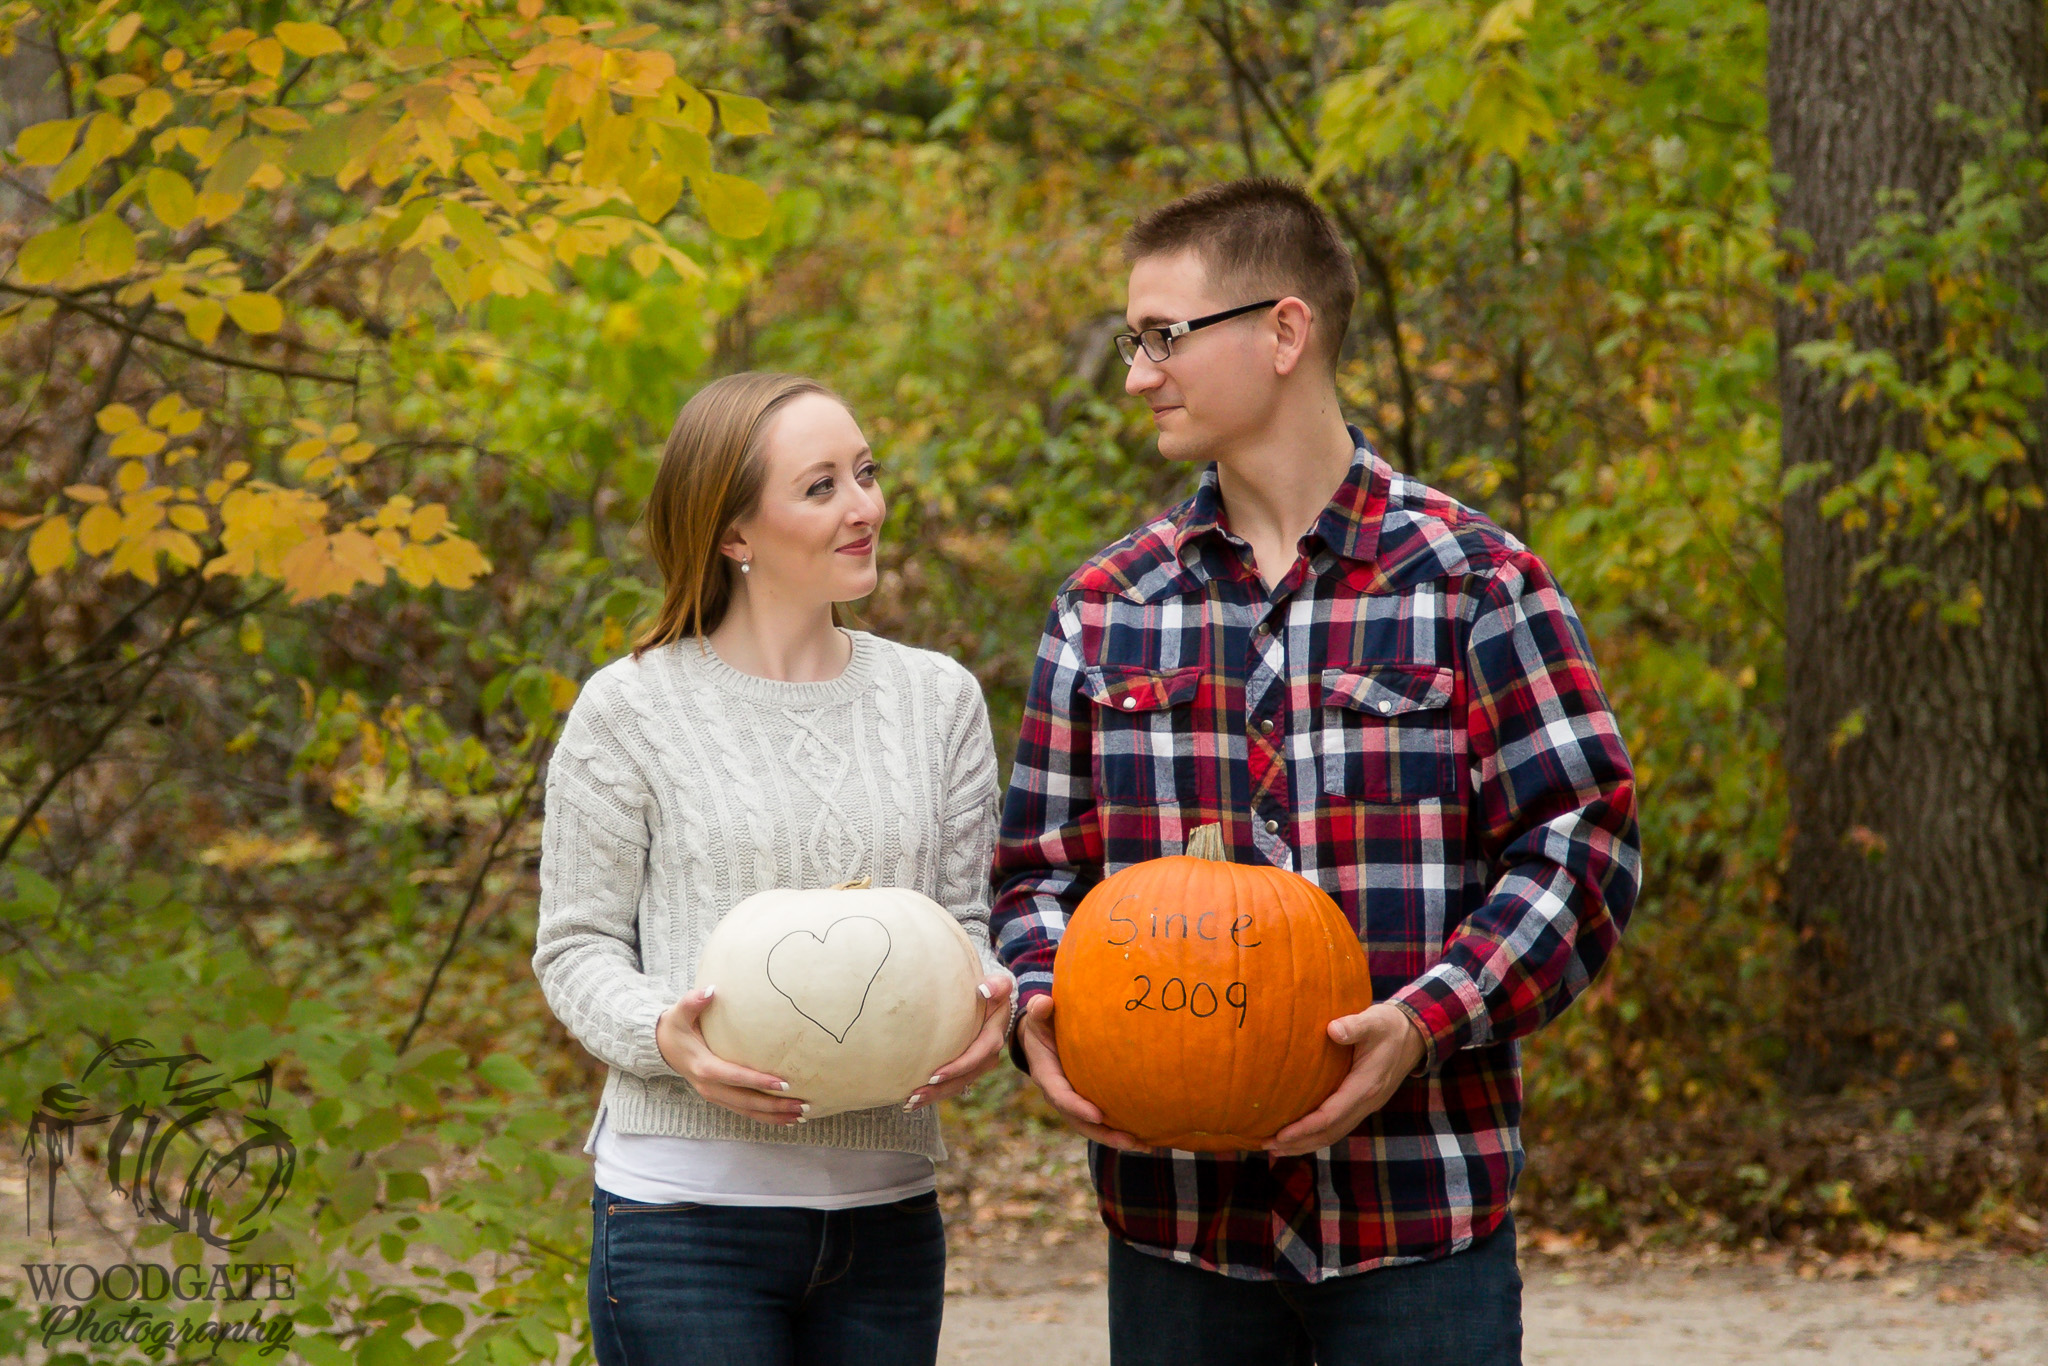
(681, 786)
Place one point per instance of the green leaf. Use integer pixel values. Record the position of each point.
(742, 115)
(49, 255)
(442, 1320)
(507, 1073)
(733, 205)
(45, 144)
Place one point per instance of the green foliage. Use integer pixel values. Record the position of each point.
(1970, 403)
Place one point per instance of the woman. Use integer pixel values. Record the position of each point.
(750, 742)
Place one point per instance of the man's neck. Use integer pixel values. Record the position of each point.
(1275, 487)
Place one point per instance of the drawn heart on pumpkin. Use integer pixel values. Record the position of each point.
(827, 979)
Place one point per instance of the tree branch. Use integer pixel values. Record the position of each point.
(199, 352)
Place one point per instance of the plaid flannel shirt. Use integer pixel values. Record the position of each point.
(1410, 719)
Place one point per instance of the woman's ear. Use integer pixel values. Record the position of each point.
(1292, 323)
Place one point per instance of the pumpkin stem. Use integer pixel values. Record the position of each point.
(853, 886)
(1207, 843)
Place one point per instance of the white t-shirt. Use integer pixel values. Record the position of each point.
(656, 1169)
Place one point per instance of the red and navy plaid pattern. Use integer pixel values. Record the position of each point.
(1412, 720)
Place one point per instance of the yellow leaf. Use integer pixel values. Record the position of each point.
(644, 259)
(429, 521)
(116, 417)
(655, 193)
(309, 427)
(307, 449)
(356, 452)
(188, 518)
(343, 434)
(743, 115)
(256, 312)
(108, 245)
(203, 318)
(482, 115)
(249, 635)
(733, 205)
(124, 30)
(176, 544)
(184, 424)
(457, 562)
(266, 55)
(170, 197)
(279, 120)
(50, 547)
(165, 408)
(490, 182)
(86, 493)
(1503, 23)
(415, 565)
(137, 441)
(320, 468)
(98, 530)
(131, 476)
(48, 255)
(121, 86)
(150, 107)
(310, 40)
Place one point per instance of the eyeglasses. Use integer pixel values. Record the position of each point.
(1158, 341)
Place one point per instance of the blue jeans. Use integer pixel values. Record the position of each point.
(1461, 1310)
(751, 1285)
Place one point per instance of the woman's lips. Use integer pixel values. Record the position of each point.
(859, 547)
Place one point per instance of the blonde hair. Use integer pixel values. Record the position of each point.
(710, 477)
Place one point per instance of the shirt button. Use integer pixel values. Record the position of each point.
(1265, 727)
(1385, 706)
(1272, 827)
(1265, 628)
(1130, 702)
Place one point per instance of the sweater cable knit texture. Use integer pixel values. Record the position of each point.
(681, 786)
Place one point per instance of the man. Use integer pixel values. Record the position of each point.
(1369, 684)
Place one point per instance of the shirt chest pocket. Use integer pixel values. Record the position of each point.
(1142, 721)
(1387, 733)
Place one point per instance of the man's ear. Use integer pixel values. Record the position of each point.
(1292, 322)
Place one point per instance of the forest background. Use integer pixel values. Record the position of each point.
(338, 344)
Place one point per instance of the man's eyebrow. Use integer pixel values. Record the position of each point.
(1154, 320)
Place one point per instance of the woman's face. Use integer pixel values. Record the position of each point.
(813, 536)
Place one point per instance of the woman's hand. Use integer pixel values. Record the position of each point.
(981, 1055)
(739, 1089)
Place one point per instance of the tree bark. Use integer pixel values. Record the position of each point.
(1918, 863)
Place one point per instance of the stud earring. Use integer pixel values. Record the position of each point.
(746, 566)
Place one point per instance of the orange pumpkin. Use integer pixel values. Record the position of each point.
(1192, 996)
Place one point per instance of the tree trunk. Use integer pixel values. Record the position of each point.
(1918, 869)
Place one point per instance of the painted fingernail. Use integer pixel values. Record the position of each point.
(803, 1107)
(934, 1081)
(911, 1104)
(708, 991)
(803, 1119)
(986, 994)
(782, 1085)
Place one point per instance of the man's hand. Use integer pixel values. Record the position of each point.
(1035, 1029)
(1386, 1046)
(739, 1089)
(984, 1052)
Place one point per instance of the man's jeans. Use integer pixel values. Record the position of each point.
(750, 1285)
(1461, 1310)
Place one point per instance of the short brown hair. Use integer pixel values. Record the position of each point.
(1261, 235)
(710, 477)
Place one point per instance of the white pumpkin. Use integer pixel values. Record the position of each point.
(852, 994)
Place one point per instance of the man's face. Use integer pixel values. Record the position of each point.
(1218, 388)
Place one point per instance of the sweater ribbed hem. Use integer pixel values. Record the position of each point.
(675, 1110)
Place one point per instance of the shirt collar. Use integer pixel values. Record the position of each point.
(1349, 524)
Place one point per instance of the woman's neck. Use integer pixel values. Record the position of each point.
(791, 646)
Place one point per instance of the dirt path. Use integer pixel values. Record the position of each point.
(1589, 1311)
(1019, 1290)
